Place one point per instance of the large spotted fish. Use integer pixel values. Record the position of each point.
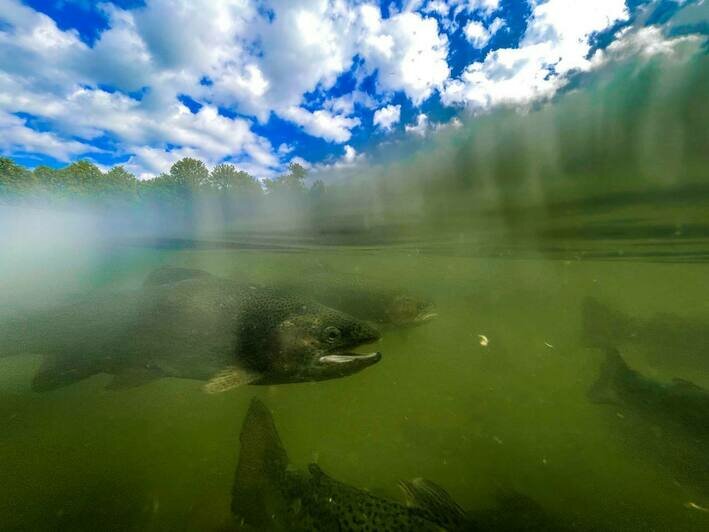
(193, 326)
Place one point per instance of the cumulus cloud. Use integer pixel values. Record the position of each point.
(407, 50)
(420, 127)
(643, 42)
(555, 43)
(281, 58)
(17, 137)
(387, 117)
(322, 123)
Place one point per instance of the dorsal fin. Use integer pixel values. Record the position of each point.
(257, 495)
(424, 494)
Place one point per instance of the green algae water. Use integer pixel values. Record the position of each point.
(513, 228)
(477, 417)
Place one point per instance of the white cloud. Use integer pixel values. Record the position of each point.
(407, 50)
(322, 123)
(51, 74)
(307, 45)
(421, 126)
(643, 42)
(284, 149)
(476, 33)
(17, 137)
(230, 53)
(387, 117)
(350, 159)
(350, 154)
(555, 43)
(453, 123)
(487, 7)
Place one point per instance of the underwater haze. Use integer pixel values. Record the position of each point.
(503, 262)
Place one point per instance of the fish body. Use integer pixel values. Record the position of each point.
(687, 339)
(679, 402)
(196, 327)
(268, 495)
(670, 420)
(364, 298)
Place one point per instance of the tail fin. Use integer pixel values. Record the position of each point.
(605, 389)
(425, 494)
(257, 496)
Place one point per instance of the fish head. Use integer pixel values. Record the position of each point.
(405, 309)
(319, 344)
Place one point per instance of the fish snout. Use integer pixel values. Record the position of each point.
(343, 364)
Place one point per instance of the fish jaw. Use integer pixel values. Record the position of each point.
(338, 365)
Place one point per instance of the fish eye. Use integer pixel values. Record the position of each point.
(332, 333)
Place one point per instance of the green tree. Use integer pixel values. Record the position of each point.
(15, 180)
(226, 178)
(292, 182)
(119, 184)
(317, 190)
(81, 179)
(189, 173)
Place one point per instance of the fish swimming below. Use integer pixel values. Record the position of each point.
(678, 409)
(655, 336)
(268, 495)
(366, 299)
(680, 401)
(196, 327)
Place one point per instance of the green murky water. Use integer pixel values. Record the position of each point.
(478, 420)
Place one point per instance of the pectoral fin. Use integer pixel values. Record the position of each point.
(230, 377)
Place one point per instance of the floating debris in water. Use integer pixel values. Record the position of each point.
(694, 506)
(548, 345)
(483, 340)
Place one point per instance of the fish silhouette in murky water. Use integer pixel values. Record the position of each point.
(268, 495)
(670, 419)
(656, 336)
(199, 327)
(679, 401)
(364, 298)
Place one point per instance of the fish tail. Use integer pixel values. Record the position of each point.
(257, 494)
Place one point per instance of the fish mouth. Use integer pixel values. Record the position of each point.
(425, 316)
(349, 358)
(342, 364)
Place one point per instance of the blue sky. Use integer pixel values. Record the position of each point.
(262, 83)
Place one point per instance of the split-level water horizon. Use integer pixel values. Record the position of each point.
(500, 326)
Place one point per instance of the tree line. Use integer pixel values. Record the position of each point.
(187, 190)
